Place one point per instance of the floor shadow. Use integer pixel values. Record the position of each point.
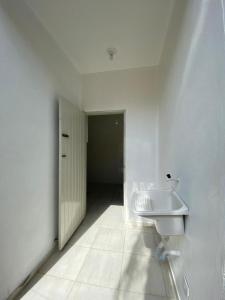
(136, 264)
(138, 259)
(98, 201)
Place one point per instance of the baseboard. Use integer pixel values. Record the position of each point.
(19, 289)
(174, 279)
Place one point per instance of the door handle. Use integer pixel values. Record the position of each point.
(64, 155)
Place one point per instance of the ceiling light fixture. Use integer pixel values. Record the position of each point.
(111, 52)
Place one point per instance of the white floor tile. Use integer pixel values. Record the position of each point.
(90, 292)
(93, 218)
(69, 264)
(101, 268)
(109, 239)
(113, 217)
(84, 236)
(32, 296)
(137, 296)
(142, 274)
(107, 260)
(53, 288)
(139, 241)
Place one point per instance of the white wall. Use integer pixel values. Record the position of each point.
(33, 71)
(67, 81)
(191, 139)
(29, 134)
(135, 92)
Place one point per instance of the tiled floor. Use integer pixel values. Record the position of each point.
(104, 260)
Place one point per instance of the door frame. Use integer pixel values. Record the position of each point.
(113, 112)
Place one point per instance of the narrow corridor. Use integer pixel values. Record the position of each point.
(105, 259)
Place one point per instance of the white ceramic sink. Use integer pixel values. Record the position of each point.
(165, 208)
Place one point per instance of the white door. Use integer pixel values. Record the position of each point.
(72, 170)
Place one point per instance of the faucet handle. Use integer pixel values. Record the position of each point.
(173, 181)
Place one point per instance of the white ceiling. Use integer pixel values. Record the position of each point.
(85, 28)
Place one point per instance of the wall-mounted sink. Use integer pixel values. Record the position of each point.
(164, 207)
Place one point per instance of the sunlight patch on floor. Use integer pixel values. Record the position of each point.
(104, 260)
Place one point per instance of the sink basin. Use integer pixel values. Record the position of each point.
(164, 207)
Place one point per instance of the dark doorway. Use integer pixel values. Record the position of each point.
(105, 159)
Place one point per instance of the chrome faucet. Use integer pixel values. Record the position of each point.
(174, 181)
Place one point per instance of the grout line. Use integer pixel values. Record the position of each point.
(59, 277)
(106, 251)
(74, 282)
(82, 265)
(120, 290)
(122, 253)
(122, 262)
(39, 294)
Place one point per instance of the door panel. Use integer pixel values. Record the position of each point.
(72, 170)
